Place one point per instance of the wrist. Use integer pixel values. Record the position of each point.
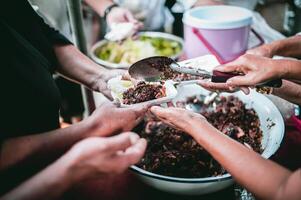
(72, 173)
(196, 126)
(109, 9)
(275, 48)
(98, 83)
(62, 177)
(87, 127)
(283, 67)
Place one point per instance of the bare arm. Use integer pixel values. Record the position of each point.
(90, 158)
(28, 149)
(289, 91)
(264, 178)
(289, 47)
(48, 184)
(103, 122)
(76, 66)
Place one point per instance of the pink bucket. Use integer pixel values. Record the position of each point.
(219, 30)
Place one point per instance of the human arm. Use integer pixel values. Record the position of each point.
(289, 47)
(264, 178)
(116, 15)
(289, 91)
(90, 158)
(255, 70)
(103, 122)
(76, 66)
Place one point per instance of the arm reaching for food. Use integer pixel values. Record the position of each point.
(264, 178)
(257, 69)
(105, 121)
(116, 14)
(90, 158)
(76, 66)
(289, 47)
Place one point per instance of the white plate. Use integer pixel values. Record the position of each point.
(118, 86)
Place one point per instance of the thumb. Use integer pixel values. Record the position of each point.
(230, 67)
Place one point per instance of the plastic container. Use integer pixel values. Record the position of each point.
(219, 30)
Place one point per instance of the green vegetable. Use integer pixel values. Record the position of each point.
(130, 51)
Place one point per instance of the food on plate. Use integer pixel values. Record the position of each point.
(172, 152)
(131, 50)
(143, 92)
(169, 74)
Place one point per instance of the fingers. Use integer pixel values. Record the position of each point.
(160, 112)
(215, 86)
(229, 67)
(121, 142)
(107, 94)
(139, 110)
(130, 156)
(245, 90)
(237, 81)
(167, 113)
(135, 152)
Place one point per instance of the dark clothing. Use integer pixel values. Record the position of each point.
(30, 99)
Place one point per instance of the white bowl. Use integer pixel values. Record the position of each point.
(108, 64)
(272, 137)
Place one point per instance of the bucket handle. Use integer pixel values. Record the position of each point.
(208, 46)
(214, 52)
(261, 40)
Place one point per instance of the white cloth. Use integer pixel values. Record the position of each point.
(152, 13)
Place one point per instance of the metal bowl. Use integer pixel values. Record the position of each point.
(272, 137)
(95, 48)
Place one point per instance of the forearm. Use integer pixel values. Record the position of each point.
(34, 148)
(47, 184)
(289, 91)
(76, 66)
(290, 47)
(99, 6)
(260, 176)
(289, 69)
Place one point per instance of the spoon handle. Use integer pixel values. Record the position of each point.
(222, 77)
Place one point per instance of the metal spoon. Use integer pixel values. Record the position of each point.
(151, 70)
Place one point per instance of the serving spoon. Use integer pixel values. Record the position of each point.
(151, 70)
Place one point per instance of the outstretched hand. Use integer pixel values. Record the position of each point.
(100, 157)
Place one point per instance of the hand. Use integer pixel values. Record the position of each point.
(180, 118)
(121, 15)
(221, 87)
(255, 70)
(101, 157)
(108, 119)
(265, 50)
(100, 84)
